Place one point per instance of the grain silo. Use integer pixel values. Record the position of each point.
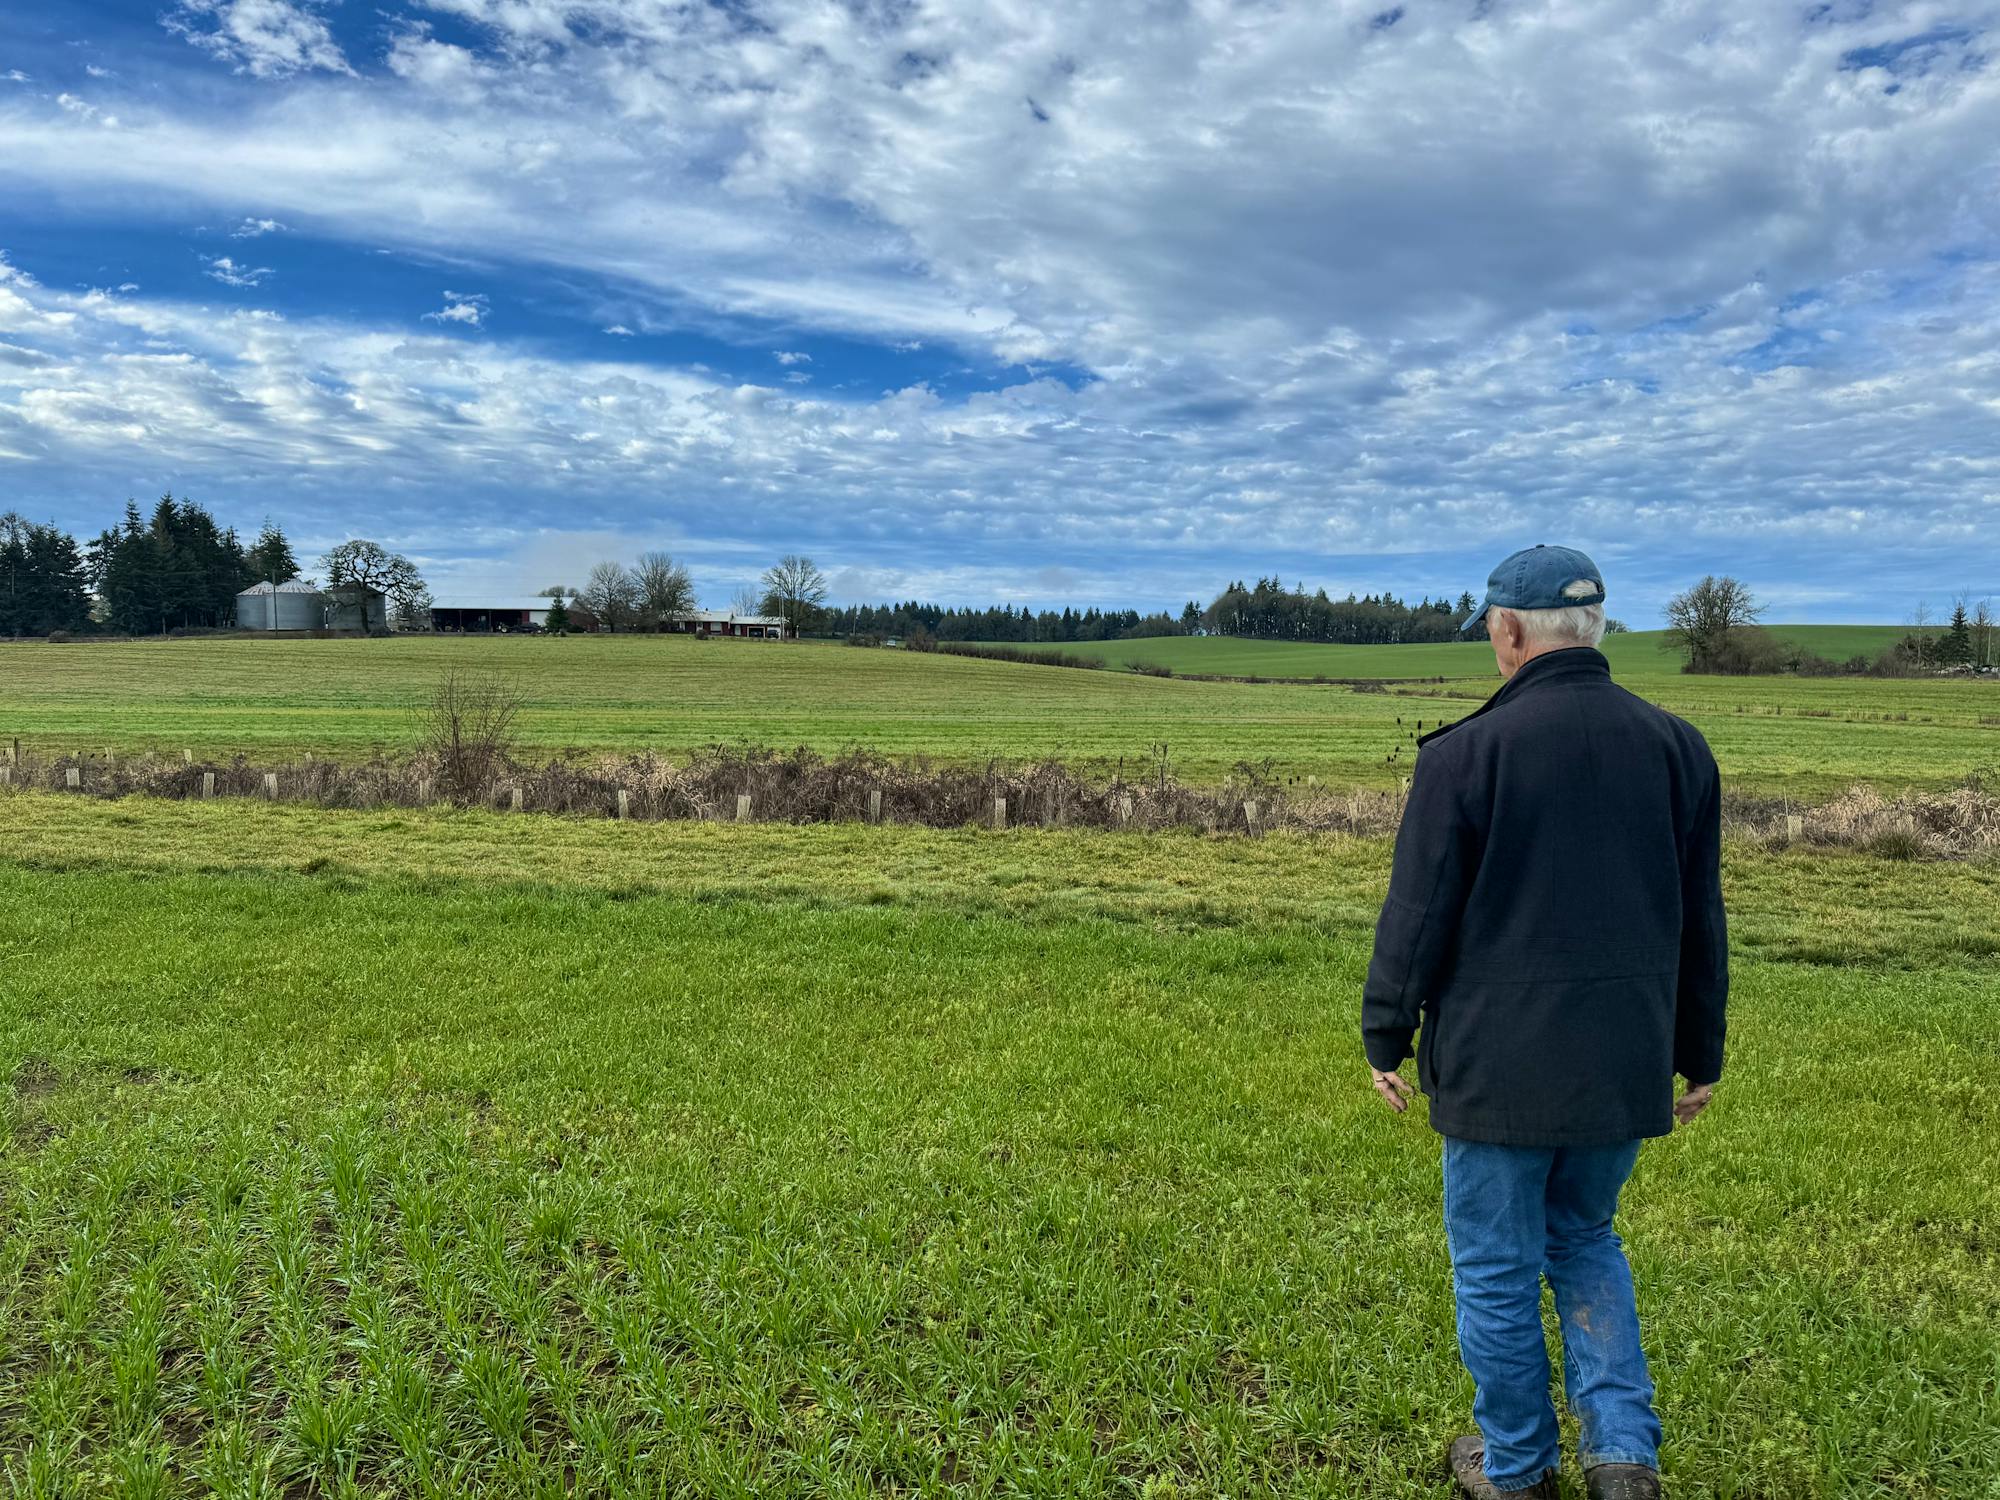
(292, 605)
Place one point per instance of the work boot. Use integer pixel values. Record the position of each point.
(1468, 1467)
(1622, 1482)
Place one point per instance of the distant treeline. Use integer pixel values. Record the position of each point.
(1267, 611)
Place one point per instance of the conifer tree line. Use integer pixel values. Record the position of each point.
(170, 569)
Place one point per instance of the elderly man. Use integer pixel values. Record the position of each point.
(1554, 920)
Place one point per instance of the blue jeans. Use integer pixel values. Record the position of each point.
(1514, 1214)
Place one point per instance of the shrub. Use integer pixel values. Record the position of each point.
(1149, 669)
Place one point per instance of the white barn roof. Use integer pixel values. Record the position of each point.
(492, 601)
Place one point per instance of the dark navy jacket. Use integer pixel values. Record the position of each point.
(1554, 916)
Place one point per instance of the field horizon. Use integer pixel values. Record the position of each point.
(353, 699)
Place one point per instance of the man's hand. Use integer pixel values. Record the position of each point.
(1394, 1091)
(1692, 1103)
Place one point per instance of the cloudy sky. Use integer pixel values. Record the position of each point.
(976, 300)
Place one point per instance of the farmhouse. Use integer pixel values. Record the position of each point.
(490, 612)
(709, 622)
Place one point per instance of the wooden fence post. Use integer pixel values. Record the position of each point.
(742, 807)
(207, 784)
(624, 803)
(1250, 819)
(999, 812)
(515, 800)
(1124, 807)
(424, 791)
(1795, 828)
(875, 804)
(73, 778)
(271, 786)
(187, 757)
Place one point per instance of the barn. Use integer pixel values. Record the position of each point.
(490, 612)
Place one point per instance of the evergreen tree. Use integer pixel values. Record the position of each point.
(558, 616)
(270, 560)
(1956, 648)
(41, 579)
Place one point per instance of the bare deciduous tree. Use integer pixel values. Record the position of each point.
(1982, 633)
(665, 589)
(467, 730)
(795, 589)
(1699, 620)
(612, 595)
(748, 600)
(368, 565)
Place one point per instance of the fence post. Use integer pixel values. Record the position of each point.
(1125, 807)
(423, 791)
(515, 800)
(14, 753)
(271, 786)
(742, 807)
(6, 775)
(73, 778)
(207, 785)
(624, 803)
(1795, 827)
(187, 757)
(875, 804)
(1250, 819)
(999, 812)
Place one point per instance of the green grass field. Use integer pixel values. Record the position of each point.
(434, 1154)
(1636, 654)
(1806, 738)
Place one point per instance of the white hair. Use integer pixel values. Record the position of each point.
(1577, 625)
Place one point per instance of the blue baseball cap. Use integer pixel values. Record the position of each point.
(1536, 577)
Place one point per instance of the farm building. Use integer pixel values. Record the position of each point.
(292, 605)
(356, 609)
(710, 622)
(477, 612)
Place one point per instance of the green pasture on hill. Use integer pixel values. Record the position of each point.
(1634, 654)
(443, 1154)
(353, 698)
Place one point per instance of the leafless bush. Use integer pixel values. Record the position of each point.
(467, 734)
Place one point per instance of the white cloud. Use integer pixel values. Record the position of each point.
(469, 308)
(251, 229)
(265, 38)
(1312, 285)
(231, 273)
(621, 330)
(1163, 484)
(14, 75)
(790, 357)
(95, 71)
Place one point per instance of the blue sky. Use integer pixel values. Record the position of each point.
(1099, 302)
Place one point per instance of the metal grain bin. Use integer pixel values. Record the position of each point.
(292, 605)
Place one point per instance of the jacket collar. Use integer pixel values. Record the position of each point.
(1567, 665)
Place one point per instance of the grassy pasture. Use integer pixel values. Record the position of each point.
(353, 698)
(422, 1153)
(1635, 654)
